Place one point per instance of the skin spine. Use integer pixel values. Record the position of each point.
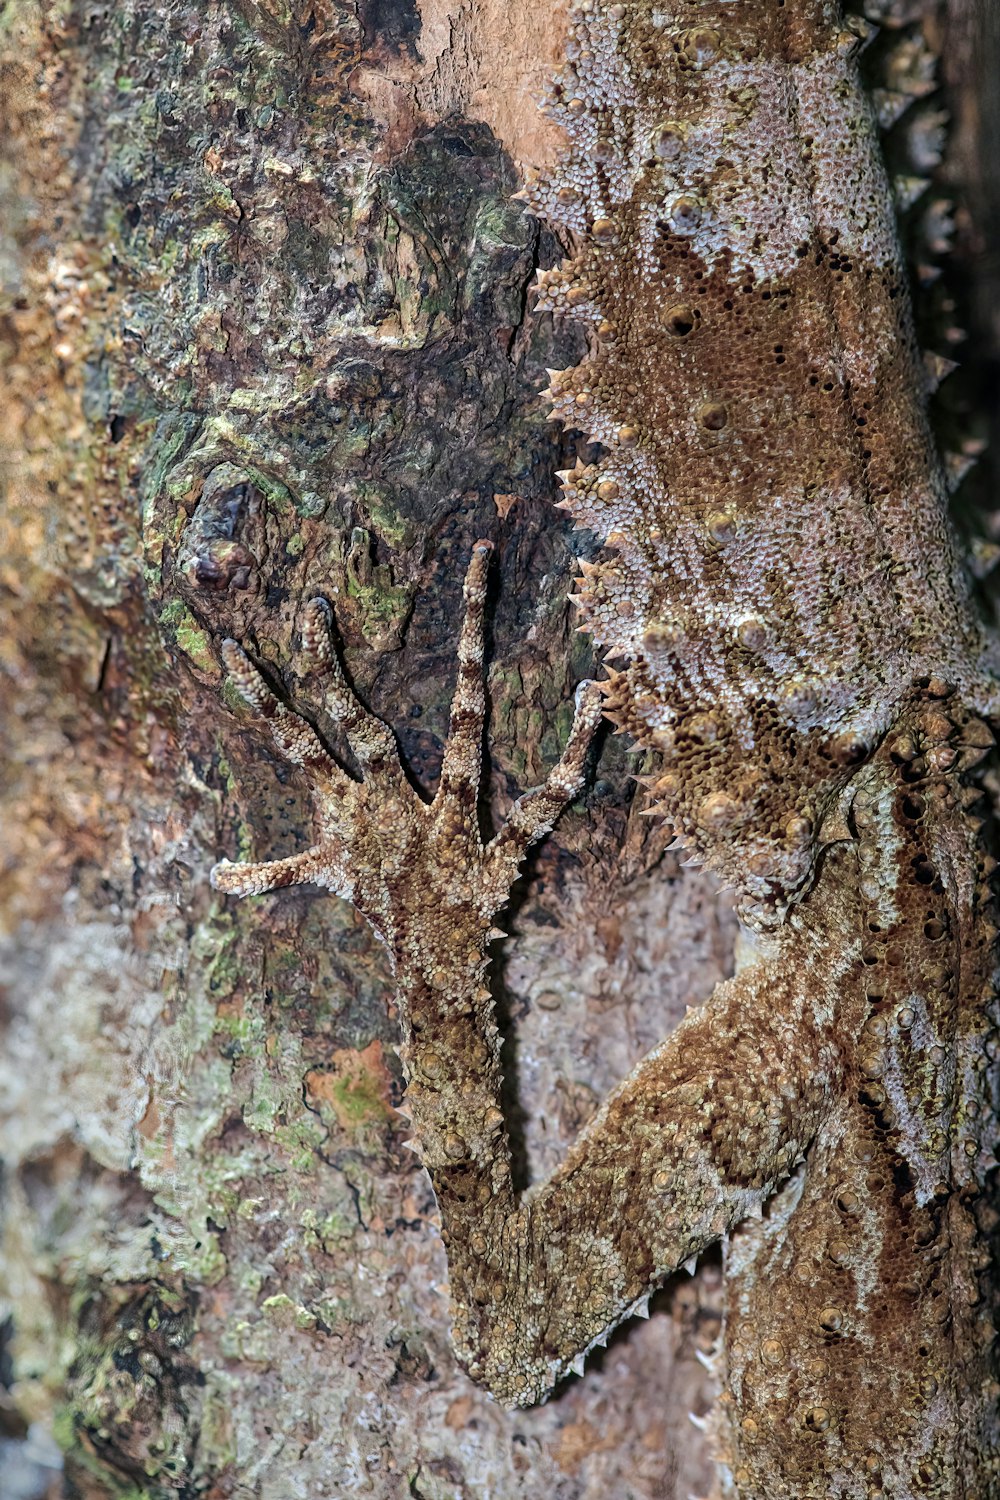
(791, 629)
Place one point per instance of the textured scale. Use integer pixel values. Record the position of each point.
(788, 621)
(780, 568)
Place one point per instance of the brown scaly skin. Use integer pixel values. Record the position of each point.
(856, 1333)
(859, 1320)
(780, 571)
(783, 598)
(664, 1169)
(784, 590)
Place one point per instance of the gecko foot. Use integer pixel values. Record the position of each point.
(400, 859)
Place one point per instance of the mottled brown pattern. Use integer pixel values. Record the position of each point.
(859, 1337)
(788, 622)
(858, 1341)
(780, 569)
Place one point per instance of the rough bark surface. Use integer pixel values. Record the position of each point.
(264, 335)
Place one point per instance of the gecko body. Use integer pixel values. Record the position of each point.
(788, 623)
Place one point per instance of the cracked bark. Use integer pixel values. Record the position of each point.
(264, 334)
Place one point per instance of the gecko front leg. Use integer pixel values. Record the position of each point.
(688, 1145)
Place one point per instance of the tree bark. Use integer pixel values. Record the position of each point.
(266, 333)
(267, 336)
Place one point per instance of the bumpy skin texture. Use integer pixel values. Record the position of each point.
(789, 624)
(781, 568)
(855, 1042)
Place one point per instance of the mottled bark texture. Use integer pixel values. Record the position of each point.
(264, 335)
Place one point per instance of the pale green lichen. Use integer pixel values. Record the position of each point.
(189, 637)
(384, 607)
(384, 516)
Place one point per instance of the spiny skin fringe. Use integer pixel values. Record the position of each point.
(756, 389)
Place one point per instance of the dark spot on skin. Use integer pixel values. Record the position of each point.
(679, 321)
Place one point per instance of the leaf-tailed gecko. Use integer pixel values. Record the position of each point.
(791, 628)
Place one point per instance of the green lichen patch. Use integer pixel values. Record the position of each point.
(187, 635)
(284, 1313)
(380, 504)
(381, 606)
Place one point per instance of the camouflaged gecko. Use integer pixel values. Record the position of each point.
(791, 625)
